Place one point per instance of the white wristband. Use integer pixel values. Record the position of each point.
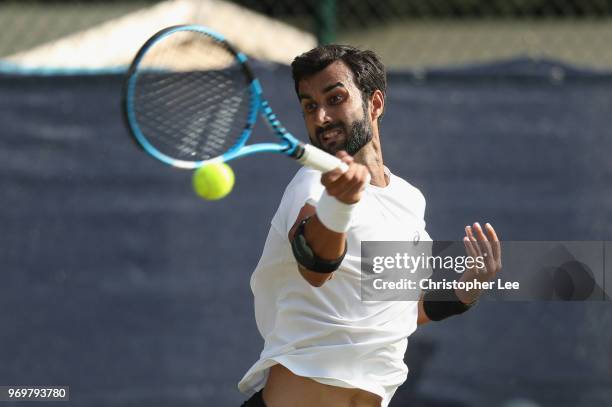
(333, 214)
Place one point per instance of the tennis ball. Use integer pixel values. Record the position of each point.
(213, 181)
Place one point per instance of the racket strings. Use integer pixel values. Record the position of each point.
(203, 122)
(194, 113)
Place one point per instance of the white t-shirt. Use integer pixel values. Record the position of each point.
(328, 333)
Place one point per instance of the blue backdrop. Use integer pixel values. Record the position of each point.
(120, 283)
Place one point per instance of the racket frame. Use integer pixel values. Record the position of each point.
(289, 145)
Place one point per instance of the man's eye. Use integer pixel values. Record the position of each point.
(335, 99)
(309, 107)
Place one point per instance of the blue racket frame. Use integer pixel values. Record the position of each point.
(288, 145)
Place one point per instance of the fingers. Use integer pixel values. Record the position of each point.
(349, 187)
(470, 243)
(477, 243)
(331, 176)
(495, 243)
(343, 154)
(346, 186)
(469, 248)
(345, 183)
(483, 243)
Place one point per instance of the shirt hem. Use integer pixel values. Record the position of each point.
(251, 384)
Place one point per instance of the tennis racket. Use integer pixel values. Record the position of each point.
(190, 99)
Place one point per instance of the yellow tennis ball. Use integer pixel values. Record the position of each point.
(213, 181)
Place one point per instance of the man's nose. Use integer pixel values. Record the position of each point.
(322, 117)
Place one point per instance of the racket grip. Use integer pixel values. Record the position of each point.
(311, 156)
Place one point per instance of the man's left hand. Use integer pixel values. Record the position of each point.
(486, 245)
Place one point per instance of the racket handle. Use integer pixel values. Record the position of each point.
(311, 156)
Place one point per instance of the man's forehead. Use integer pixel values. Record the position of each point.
(334, 73)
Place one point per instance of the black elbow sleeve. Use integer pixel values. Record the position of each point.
(307, 258)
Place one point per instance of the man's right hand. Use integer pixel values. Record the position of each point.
(346, 187)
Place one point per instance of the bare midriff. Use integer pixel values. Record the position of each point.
(285, 389)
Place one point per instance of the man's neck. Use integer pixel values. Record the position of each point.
(371, 156)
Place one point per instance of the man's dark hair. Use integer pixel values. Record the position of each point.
(368, 70)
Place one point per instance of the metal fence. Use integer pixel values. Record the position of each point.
(417, 33)
(407, 33)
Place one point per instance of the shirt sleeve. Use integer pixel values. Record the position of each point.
(305, 188)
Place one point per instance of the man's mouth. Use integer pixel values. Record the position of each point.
(330, 137)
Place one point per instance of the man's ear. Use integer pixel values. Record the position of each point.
(377, 103)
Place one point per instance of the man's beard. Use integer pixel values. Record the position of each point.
(359, 135)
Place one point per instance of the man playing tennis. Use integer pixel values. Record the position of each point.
(324, 346)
